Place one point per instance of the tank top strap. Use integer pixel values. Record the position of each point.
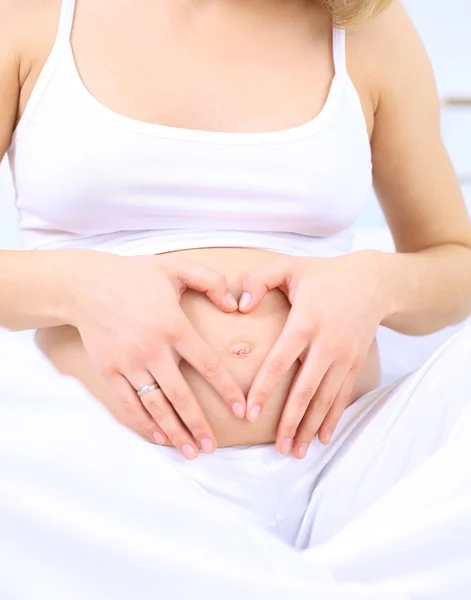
(61, 43)
(66, 21)
(339, 50)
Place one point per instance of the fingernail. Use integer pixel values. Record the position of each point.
(286, 446)
(245, 301)
(238, 410)
(188, 452)
(158, 438)
(232, 301)
(207, 445)
(254, 414)
(328, 436)
(302, 450)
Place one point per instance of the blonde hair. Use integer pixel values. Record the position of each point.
(348, 13)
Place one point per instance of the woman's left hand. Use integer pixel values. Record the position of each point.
(337, 306)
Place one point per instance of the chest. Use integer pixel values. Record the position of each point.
(167, 119)
(215, 66)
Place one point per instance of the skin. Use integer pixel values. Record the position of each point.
(423, 288)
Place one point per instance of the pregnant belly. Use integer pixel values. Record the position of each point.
(241, 341)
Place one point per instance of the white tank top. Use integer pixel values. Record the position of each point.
(88, 177)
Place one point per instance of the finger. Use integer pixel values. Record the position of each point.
(159, 408)
(304, 387)
(140, 420)
(334, 415)
(318, 409)
(162, 411)
(210, 282)
(199, 355)
(261, 279)
(178, 393)
(279, 361)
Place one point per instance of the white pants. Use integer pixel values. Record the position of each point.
(88, 511)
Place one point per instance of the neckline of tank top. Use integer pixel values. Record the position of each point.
(340, 79)
(207, 136)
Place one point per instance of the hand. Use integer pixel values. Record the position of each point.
(337, 306)
(127, 310)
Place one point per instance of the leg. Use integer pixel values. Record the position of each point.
(395, 503)
(418, 537)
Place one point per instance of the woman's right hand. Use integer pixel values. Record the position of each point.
(127, 310)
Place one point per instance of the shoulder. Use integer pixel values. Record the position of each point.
(27, 31)
(388, 53)
(20, 18)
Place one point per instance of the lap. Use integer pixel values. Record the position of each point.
(89, 510)
(387, 435)
(418, 535)
(74, 482)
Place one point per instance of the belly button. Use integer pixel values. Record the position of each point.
(241, 350)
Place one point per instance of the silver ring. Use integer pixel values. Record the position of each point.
(147, 389)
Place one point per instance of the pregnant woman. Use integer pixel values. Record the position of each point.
(187, 174)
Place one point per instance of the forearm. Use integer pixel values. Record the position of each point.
(34, 289)
(427, 290)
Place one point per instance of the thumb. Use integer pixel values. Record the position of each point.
(260, 280)
(207, 281)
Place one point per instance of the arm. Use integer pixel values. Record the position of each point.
(32, 285)
(427, 284)
(338, 303)
(132, 339)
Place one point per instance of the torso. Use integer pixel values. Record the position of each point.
(251, 66)
(199, 65)
(226, 334)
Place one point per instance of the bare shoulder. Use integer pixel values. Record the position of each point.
(388, 54)
(413, 176)
(386, 30)
(27, 34)
(12, 15)
(18, 18)
(27, 30)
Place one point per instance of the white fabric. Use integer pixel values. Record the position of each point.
(88, 510)
(86, 176)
